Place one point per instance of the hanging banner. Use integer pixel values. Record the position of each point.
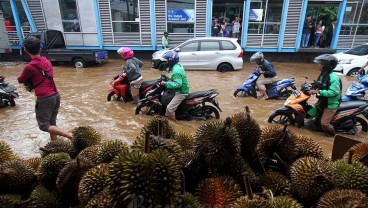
(180, 15)
(255, 14)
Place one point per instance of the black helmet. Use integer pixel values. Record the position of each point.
(328, 62)
(166, 33)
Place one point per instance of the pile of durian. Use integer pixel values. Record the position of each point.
(230, 163)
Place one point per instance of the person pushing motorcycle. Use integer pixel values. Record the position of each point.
(328, 91)
(131, 70)
(178, 83)
(267, 70)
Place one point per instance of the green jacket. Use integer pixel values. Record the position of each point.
(179, 83)
(330, 91)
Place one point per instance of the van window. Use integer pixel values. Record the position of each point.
(227, 45)
(192, 46)
(210, 46)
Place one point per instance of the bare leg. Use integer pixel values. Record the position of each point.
(54, 131)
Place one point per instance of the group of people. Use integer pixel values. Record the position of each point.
(317, 34)
(219, 28)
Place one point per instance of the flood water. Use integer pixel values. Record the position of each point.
(83, 102)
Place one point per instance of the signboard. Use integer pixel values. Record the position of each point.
(255, 15)
(180, 15)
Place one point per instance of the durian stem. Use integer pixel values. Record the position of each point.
(248, 188)
(364, 158)
(247, 109)
(183, 183)
(45, 150)
(350, 156)
(147, 142)
(263, 168)
(159, 131)
(283, 163)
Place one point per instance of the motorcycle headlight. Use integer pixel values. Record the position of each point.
(345, 61)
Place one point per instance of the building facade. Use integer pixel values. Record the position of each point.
(266, 25)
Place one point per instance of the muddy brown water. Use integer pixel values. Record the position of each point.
(83, 102)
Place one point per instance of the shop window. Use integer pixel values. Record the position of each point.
(69, 15)
(180, 16)
(125, 15)
(265, 17)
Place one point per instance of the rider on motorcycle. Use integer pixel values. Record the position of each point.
(267, 70)
(178, 83)
(328, 91)
(131, 70)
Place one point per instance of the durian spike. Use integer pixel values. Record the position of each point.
(364, 158)
(160, 127)
(350, 156)
(247, 109)
(248, 188)
(282, 162)
(147, 142)
(183, 183)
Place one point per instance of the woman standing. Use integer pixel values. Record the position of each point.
(319, 29)
(223, 28)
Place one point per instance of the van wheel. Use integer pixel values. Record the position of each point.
(224, 67)
(354, 72)
(79, 63)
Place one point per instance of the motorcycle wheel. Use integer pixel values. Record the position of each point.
(111, 94)
(210, 112)
(7, 99)
(361, 125)
(281, 118)
(146, 109)
(243, 93)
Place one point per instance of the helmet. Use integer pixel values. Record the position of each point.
(257, 58)
(306, 87)
(126, 52)
(172, 58)
(328, 62)
(166, 33)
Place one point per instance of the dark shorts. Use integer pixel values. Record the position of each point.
(47, 110)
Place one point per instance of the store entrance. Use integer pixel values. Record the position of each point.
(226, 11)
(322, 13)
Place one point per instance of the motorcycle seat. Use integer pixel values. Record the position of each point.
(199, 94)
(145, 84)
(352, 104)
(281, 81)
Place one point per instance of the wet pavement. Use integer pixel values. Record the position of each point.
(84, 102)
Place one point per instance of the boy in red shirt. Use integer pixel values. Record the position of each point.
(40, 73)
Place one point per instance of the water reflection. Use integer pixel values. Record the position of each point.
(84, 102)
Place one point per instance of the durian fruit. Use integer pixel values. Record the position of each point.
(56, 146)
(277, 143)
(185, 141)
(110, 149)
(285, 202)
(16, 176)
(42, 197)
(351, 176)
(34, 162)
(256, 202)
(308, 147)
(90, 154)
(310, 177)
(217, 143)
(50, 167)
(165, 178)
(360, 152)
(10, 200)
(152, 126)
(188, 200)
(249, 133)
(83, 137)
(343, 198)
(6, 153)
(130, 178)
(217, 192)
(92, 183)
(276, 182)
(68, 180)
(102, 200)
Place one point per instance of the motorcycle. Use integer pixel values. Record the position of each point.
(120, 88)
(296, 109)
(194, 106)
(278, 89)
(7, 93)
(356, 90)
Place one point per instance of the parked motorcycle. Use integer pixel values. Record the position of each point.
(297, 109)
(279, 89)
(356, 90)
(120, 88)
(7, 93)
(194, 106)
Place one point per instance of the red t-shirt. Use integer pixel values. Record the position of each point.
(30, 71)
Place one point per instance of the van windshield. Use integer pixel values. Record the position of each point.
(360, 50)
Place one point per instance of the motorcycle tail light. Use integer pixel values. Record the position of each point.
(213, 95)
(195, 101)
